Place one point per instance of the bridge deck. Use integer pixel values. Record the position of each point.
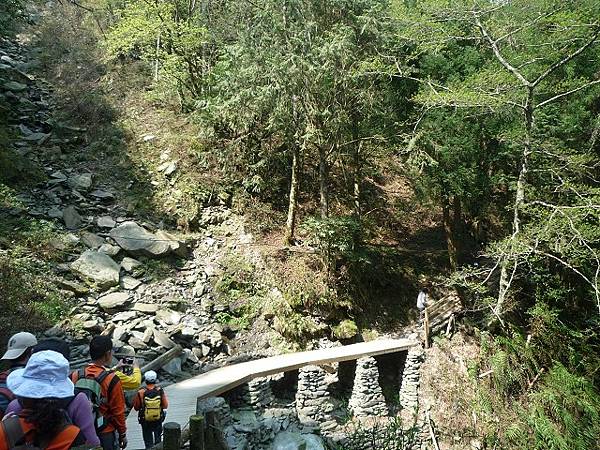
(182, 396)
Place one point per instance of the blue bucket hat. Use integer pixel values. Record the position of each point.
(46, 375)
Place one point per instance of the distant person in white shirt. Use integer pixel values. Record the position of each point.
(422, 301)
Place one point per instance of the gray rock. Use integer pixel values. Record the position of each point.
(97, 269)
(91, 240)
(102, 195)
(294, 441)
(81, 182)
(124, 316)
(137, 240)
(110, 250)
(14, 86)
(113, 301)
(119, 333)
(148, 308)
(106, 222)
(71, 218)
(55, 213)
(173, 367)
(162, 339)
(130, 265)
(72, 286)
(129, 283)
(168, 316)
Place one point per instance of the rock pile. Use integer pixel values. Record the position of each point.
(367, 397)
(313, 401)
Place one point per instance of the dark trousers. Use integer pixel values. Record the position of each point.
(152, 432)
(108, 441)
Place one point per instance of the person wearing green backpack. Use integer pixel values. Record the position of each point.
(151, 403)
(105, 392)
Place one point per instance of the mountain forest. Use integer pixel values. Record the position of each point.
(269, 175)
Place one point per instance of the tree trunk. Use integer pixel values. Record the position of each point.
(505, 277)
(450, 235)
(293, 202)
(323, 194)
(357, 178)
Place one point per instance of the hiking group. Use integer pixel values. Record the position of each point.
(45, 405)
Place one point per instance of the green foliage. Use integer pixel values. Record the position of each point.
(167, 35)
(11, 11)
(337, 238)
(391, 435)
(346, 329)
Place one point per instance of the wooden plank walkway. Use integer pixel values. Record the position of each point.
(183, 396)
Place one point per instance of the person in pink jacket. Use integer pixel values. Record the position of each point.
(78, 408)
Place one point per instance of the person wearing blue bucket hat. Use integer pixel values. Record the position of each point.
(41, 387)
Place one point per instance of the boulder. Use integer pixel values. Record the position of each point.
(130, 265)
(81, 182)
(288, 441)
(97, 269)
(137, 240)
(173, 367)
(162, 339)
(14, 86)
(129, 283)
(110, 250)
(168, 316)
(71, 218)
(91, 240)
(106, 222)
(115, 300)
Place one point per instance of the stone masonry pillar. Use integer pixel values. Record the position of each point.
(409, 387)
(367, 397)
(313, 401)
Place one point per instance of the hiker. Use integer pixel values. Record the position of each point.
(151, 402)
(128, 368)
(105, 391)
(40, 387)
(422, 301)
(18, 352)
(77, 407)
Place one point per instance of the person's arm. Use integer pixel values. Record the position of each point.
(130, 382)
(117, 409)
(80, 412)
(137, 401)
(164, 400)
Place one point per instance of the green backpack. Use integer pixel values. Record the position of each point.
(92, 388)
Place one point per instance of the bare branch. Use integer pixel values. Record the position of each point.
(499, 55)
(567, 58)
(565, 94)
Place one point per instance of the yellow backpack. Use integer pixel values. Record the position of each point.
(152, 405)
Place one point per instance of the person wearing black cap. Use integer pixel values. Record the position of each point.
(112, 431)
(17, 354)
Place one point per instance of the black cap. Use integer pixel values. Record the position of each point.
(54, 344)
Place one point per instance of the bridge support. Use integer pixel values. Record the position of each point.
(313, 400)
(409, 388)
(367, 398)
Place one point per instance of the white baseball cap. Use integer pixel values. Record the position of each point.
(150, 376)
(18, 344)
(46, 375)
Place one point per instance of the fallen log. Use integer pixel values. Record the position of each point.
(162, 359)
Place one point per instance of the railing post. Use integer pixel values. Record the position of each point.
(171, 436)
(426, 327)
(197, 425)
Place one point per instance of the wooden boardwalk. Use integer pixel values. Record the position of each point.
(183, 396)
